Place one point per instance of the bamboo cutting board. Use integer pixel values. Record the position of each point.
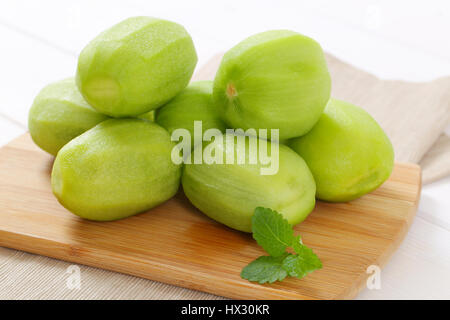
(177, 244)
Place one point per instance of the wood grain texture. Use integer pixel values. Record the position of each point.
(177, 244)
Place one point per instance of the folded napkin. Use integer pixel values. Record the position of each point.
(436, 162)
(414, 116)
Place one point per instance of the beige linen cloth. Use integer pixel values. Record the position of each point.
(414, 115)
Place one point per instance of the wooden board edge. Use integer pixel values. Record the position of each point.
(382, 260)
(160, 272)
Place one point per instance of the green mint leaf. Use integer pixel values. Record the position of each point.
(274, 233)
(271, 231)
(302, 263)
(265, 269)
(297, 244)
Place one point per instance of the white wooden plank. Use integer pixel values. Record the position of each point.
(69, 26)
(434, 204)
(9, 130)
(388, 50)
(397, 21)
(419, 269)
(27, 65)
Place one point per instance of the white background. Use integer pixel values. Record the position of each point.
(408, 40)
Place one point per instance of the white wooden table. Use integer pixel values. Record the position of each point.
(409, 40)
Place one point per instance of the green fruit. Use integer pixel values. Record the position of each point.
(58, 114)
(136, 66)
(149, 116)
(347, 151)
(116, 169)
(273, 80)
(194, 103)
(229, 193)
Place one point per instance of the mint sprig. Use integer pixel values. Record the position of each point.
(274, 234)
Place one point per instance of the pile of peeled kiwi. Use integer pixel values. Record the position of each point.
(110, 127)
